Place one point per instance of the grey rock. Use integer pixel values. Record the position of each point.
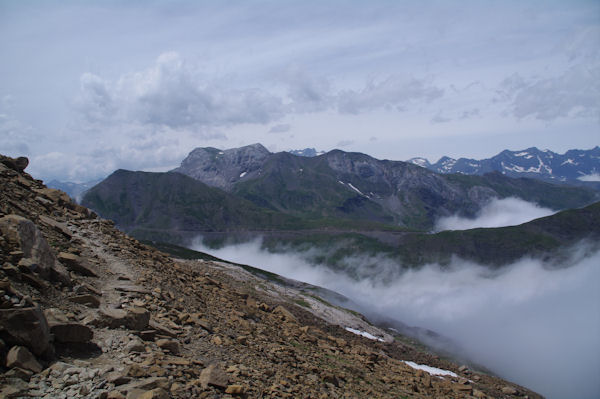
(24, 234)
(27, 327)
(19, 356)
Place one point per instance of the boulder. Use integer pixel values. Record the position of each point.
(27, 327)
(88, 300)
(20, 357)
(132, 318)
(76, 264)
(234, 390)
(285, 314)
(156, 393)
(214, 376)
(25, 235)
(17, 164)
(71, 333)
(56, 225)
(170, 345)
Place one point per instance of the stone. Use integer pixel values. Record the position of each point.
(57, 196)
(88, 300)
(17, 372)
(25, 235)
(115, 395)
(71, 332)
(509, 390)
(157, 393)
(170, 345)
(235, 390)
(146, 384)
(285, 314)
(13, 387)
(118, 377)
(27, 327)
(135, 345)
(19, 356)
(17, 164)
(56, 225)
(161, 329)
(132, 318)
(85, 288)
(75, 264)
(213, 376)
(33, 281)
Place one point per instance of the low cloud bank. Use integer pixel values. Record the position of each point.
(498, 213)
(590, 177)
(530, 324)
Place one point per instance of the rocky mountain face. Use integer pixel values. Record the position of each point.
(88, 312)
(358, 187)
(223, 169)
(572, 166)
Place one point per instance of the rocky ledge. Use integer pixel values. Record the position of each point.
(88, 312)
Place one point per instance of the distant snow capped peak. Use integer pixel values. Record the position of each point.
(531, 162)
(307, 152)
(422, 162)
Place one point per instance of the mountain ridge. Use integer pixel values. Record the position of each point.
(572, 166)
(354, 185)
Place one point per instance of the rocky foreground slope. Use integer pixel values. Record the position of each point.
(88, 312)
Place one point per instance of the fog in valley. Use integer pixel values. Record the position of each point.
(529, 322)
(499, 212)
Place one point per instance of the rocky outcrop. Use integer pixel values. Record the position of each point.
(223, 168)
(167, 328)
(27, 327)
(23, 235)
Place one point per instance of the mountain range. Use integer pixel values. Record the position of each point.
(574, 166)
(343, 202)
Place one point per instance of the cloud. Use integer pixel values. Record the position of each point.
(471, 113)
(394, 92)
(498, 213)
(344, 143)
(14, 135)
(161, 151)
(308, 93)
(174, 94)
(535, 325)
(575, 94)
(590, 177)
(282, 128)
(438, 118)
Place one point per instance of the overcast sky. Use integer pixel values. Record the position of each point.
(89, 87)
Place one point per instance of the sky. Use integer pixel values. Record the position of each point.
(90, 87)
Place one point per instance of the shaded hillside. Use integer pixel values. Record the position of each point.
(164, 205)
(550, 238)
(541, 238)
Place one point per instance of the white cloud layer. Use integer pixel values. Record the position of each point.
(575, 93)
(498, 213)
(533, 325)
(174, 94)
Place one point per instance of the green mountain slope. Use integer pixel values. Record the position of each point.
(166, 206)
(358, 187)
(547, 238)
